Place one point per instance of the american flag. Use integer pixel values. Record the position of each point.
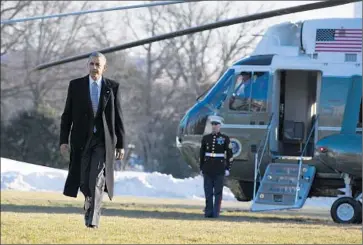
(338, 40)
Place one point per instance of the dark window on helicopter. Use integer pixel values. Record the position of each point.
(197, 120)
(333, 99)
(257, 60)
(218, 93)
(213, 100)
(221, 93)
(250, 92)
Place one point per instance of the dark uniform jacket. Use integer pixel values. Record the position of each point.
(215, 154)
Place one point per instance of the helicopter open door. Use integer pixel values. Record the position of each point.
(295, 101)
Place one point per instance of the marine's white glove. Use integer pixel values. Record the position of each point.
(226, 173)
(201, 172)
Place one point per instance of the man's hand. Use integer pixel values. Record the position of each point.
(226, 173)
(64, 149)
(120, 154)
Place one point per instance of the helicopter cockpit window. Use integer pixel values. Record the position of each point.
(197, 120)
(220, 92)
(250, 92)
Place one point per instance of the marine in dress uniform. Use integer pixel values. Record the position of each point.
(216, 158)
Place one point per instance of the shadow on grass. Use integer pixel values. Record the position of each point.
(165, 214)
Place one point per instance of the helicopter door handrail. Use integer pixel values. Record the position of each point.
(259, 160)
(302, 156)
(266, 140)
(268, 125)
(310, 134)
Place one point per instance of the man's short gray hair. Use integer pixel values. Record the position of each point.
(97, 54)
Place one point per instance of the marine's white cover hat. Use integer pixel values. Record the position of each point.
(216, 119)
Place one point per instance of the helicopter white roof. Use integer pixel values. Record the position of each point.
(293, 46)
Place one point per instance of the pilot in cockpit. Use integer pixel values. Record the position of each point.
(239, 91)
(242, 79)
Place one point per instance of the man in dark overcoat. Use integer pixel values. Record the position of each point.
(93, 118)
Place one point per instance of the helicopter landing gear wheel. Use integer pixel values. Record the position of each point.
(346, 210)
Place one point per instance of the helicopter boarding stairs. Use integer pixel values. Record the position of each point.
(286, 182)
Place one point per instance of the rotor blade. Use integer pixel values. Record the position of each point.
(263, 15)
(92, 11)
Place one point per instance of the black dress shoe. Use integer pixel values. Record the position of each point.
(92, 226)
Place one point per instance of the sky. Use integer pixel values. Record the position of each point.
(116, 25)
(343, 11)
(24, 176)
(346, 10)
(115, 20)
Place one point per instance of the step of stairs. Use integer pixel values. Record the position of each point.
(279, 187)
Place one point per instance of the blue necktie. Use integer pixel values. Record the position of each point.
(94, 98)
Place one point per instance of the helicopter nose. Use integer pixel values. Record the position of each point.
(179, 135)
(181, 130)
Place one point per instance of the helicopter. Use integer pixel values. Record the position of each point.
(283, 89)
(282, 108)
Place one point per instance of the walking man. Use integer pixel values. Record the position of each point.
(215, 163)
(93, 118)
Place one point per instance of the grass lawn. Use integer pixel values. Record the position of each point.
(36, 217)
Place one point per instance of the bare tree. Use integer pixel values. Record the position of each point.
(12, 34)
(160, 83)
(153, 64)
(43, 40)
(204, 56)
(42, 94)
(179, 69)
